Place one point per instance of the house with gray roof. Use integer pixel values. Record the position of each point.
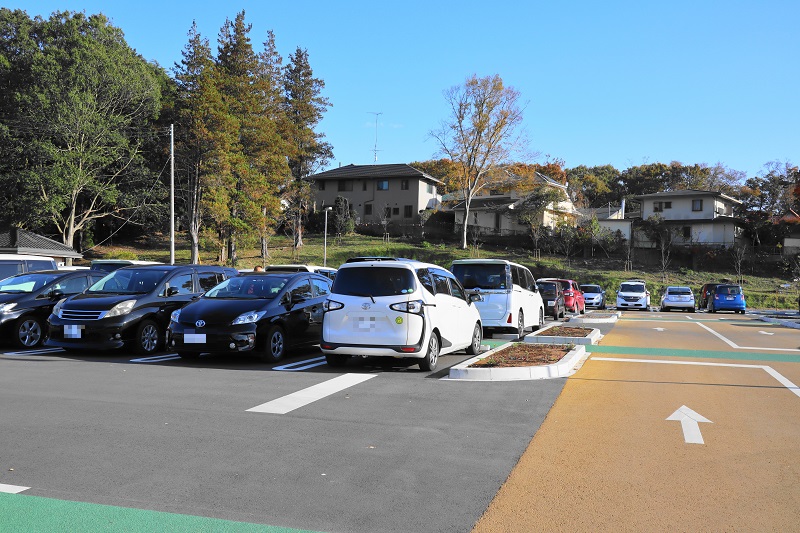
(396, 191)
(20, 241)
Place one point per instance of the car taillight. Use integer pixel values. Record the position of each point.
(568, 293)
(414, 306)
(332, 305)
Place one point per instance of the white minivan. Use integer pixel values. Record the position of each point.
(401, 308)
(13, 264)
(511, 300)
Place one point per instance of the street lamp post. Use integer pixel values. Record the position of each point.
(325, 241)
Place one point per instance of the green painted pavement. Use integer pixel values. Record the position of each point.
(22, 513)
(702, 354)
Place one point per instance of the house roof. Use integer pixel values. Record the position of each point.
(20, 241)
(601, 213)
(686, 192)
(486, 202)
(373, 172)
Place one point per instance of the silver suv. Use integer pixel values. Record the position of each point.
(388, 307)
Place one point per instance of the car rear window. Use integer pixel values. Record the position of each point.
(481, 276)
(728, 289)
(548, 288)
(684, 291)
(373, 281)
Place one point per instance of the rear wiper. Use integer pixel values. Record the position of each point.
(364, 294)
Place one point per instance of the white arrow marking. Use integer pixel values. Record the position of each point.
(766, 333)
(659, 329)
(689, 422)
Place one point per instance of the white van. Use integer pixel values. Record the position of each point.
(12, 264)
(511, 300)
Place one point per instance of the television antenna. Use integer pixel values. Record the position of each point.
(375, 150)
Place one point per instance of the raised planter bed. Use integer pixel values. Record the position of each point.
(596, 317)
(561, 368)
(558, 334)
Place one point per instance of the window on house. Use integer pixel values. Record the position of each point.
(408, 211)
(697, 205)
(431, 189)
(320, 185)
(404, 185)
(687, 232)
(497, 221)
(345, 185)
(396, 211)
(383, 185)
(367, 209)
(658, 207)
(364, 185)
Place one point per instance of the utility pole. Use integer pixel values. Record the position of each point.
(171, 194)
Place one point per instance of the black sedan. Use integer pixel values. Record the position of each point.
(263, 313)
(26, 301)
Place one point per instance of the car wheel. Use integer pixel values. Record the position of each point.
(148, 337)
(29, 332)
(474, 347)
(336, 360)
(583, 309)
(540, 325)
(274, 346)
(563, 312)
(189, 355)
(432, 357)
(520, 324)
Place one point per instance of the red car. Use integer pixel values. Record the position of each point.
(573, 296)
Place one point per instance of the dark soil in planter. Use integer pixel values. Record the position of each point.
(524, 354)
(564, 331)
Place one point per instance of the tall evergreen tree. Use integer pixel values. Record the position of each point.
(308, 152)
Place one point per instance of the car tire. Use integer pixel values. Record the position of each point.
(474, 347)
(148, 338)
(432, 356)
(563, 313)
(583, 309)
(28, 332)
(540, 325)
(273, 347)
(336, 360)
(520, 324)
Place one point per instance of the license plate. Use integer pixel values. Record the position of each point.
(550, 304)
(73, 331)
(194, 338)
(730, 298)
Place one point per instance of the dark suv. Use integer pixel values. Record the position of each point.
(702, 294)
(131, 305)
(553, 297)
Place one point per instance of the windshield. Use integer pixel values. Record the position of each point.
(632, 287)
(481, 276)
(26, 282)
(252, 287)
(128, 281)
(591, 289)
(374, 281)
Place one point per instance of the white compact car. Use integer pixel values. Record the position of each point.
(398, 308)
(633, 294)
(678, 298)
(511, 300)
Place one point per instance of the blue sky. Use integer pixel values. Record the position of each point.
(620, 83)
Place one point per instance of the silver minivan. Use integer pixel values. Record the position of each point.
(511, 301)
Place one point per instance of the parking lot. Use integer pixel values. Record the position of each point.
(384, 446)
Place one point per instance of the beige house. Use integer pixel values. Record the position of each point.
(491, 212)
(700, 217)
(398, 191)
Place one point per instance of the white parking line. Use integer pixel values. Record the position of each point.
(768, 369)
(12, 489)
(302, 365)
(157, 358)
(34, 352)
(734, 345)
(298, 399)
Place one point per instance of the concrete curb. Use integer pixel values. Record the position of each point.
(589, 319)
(561, 369)
(539, 338)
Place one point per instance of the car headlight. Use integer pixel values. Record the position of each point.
(5, 308)
(58, 306)
(248, 317)
(175, 316)
(122, 308)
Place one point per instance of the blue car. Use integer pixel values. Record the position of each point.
(727, 298)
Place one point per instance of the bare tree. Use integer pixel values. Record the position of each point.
(739, 254)
(480, 135)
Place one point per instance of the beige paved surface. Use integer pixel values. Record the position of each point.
(606, 458)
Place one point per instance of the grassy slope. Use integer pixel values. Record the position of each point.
(761, 292)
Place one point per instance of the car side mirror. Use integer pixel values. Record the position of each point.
(475, 297)
(172, 291)
(56, 294)
(297, 298)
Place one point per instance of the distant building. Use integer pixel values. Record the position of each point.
(396, 191)
(20, 241)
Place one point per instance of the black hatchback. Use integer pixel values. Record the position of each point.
(26, 301)
(259, 312)
(553, 298)
(131, 305)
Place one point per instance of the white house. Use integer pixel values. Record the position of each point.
(700, 217)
